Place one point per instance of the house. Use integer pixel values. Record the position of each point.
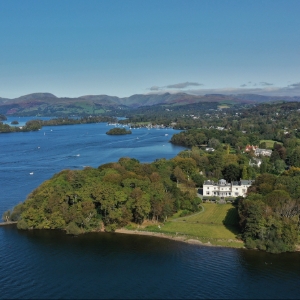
(210, 149)
(224, 189)
(255, 162)
(250, 147)
(262, 152)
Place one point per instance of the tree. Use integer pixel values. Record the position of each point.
(6, 216)
(231, 173)
(279, 166)
(245, 172)
(294, 159)
(214, 143)
(180, 176)
(263, 145)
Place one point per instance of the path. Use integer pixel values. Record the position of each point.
(8, 223)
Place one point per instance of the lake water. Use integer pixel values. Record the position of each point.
(50, 264)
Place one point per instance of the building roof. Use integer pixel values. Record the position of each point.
(223, 182)
(242, 182)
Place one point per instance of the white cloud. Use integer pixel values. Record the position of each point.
(262, 88)
(183, 85)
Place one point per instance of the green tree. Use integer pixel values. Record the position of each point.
(231, 173)
(245, 172)
(294, 159)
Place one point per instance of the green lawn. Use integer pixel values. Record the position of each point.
(216, 223)
(270, 143)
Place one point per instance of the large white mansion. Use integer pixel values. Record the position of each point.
(224, 189)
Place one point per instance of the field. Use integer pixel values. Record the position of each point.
(222, 106)
(269, 143)
(215, 224)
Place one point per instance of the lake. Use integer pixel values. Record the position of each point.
(50, 265)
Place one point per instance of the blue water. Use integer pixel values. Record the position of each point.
(50, 265)
(51, 149)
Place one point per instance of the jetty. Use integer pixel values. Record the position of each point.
(8, 223)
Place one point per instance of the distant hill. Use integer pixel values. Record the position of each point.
(46, 104)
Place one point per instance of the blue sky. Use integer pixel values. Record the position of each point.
(72, 48)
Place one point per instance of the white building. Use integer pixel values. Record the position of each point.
(255, 162)
(224, 189)
(262, 152)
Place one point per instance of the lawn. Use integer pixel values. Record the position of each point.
(221, 106)
(270, 143)
(216, 224)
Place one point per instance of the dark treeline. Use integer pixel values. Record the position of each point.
(118, 131)
(34, 125)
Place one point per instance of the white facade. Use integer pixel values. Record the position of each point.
(224, 189)
(255, 162)
(262, 152)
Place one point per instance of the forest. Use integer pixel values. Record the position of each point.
(269, 215)
(110, 197)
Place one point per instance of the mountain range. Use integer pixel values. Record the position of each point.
(49, 104)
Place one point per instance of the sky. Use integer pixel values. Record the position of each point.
(72, 48)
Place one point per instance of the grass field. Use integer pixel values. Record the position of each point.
(270, 143)
(223, 106)
(215, 224)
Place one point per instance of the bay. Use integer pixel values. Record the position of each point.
(54, 148)
(44, 264)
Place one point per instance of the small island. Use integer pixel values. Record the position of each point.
(118, 131)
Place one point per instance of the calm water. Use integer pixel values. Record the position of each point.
(50, 264)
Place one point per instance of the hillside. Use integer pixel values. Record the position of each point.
(47, 104)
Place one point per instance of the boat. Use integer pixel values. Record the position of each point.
(166, 134)
(31, 173)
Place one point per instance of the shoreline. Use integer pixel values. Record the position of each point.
(8, 223)
(178, 238)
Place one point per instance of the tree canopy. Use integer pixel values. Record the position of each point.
(112, 196)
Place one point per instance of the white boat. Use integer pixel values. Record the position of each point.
(31, 173)
(166, 134)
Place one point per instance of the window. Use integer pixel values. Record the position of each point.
(236, 188)
(207, 193)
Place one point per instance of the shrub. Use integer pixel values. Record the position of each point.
(72, 228)
(22, 225)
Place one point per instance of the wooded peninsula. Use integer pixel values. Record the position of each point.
(260, 143)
